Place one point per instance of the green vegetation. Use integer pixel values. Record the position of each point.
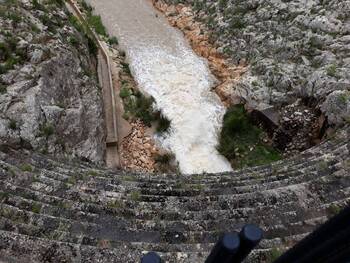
(36, 208)
(92, 173)
(10, 55)
(95, 22)
(135, 196)
(126, 68)
(165, 162)
(274, 254)
(334, 209)
(73, 41)
(222, 4)
(163, 124)
(113, 41)
(115, 204)
(47, 130)
(125, 92)
(331, 70)
(163, 158)
(13, 125)
(240, 140)
(26, 168)
(139, 106)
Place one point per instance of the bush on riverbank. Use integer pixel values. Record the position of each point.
(241, 141)
(139, 106)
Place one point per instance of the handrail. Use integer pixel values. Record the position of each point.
(105, 55)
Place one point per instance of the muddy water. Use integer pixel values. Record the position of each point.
(166, 68)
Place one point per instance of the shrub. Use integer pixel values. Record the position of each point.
(92, 47)
(334, 209)
(73, 41)
(222, 4)
(75, 23)
(113, 41)
(126, 68)
(274, 254)
(86, 6)
(144, 108)
(163, 158)
(124, 92)
(240, 140)
(95, 22)
(13, 125)
(2, 88)
(163, 124)
(135, 196)
(47, 130)
(36, 208)
(331, 70)
(26, 168)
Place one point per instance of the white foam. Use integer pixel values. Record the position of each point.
(181, 87)
(166, 68)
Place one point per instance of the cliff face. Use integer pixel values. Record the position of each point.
(294, 49)
(49, 97)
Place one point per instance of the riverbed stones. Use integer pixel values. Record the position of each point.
(138, 149)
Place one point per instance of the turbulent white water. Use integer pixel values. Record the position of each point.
(166, 68)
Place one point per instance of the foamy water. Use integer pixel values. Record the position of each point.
(165, 67)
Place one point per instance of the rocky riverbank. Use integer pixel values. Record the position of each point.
(50, 100)
(295, 60)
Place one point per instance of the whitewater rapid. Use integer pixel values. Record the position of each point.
(165, 67)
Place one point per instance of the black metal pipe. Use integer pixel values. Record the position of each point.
(151, 257)
(225, 249)
(250, 236)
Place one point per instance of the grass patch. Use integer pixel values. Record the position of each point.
(36, 208)
(135, 196)
(331, 70)
(240, 140)
(95, 22)
(47, 130)
(274, 254)
(13, 125)
(26, 168)
(334, 209)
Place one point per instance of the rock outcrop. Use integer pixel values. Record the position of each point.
(50, 100)
(296, 56)
(294, 48)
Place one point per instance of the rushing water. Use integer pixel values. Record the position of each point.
(166, 68)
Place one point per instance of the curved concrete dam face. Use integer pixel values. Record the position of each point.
(165, 67)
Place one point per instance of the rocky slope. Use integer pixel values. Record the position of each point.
(49, 97)
(296, 53)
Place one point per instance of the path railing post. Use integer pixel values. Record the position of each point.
(225, 249)
(250, 236)
(151, 257)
